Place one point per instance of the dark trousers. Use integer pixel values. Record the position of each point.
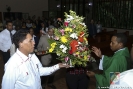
(6, 56)
(77, 81)
(47, 79)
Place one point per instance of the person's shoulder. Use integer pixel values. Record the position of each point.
(124, 52)
(33, 57)
(14, 61)
(44, 36)
(4, 31)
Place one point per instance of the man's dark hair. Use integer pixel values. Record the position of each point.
(20, 36)
(121, 38)
(8, 22)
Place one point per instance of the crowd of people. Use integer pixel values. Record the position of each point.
(23, 68)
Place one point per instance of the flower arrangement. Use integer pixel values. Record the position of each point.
(70, 42)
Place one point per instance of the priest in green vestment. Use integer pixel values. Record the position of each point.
(119, 62)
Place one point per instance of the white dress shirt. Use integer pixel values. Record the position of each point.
(5, 40)
(13, 31)
(12, 49)
(125, 80)
(22, 72)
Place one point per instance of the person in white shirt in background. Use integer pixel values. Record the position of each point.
(23, 70)
(6, 41)
(43, 30)
(35, 38)
(28, 24)
(13, 30)
(98, 27)
(13, 48)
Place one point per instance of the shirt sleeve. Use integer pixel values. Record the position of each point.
(1, 43)
(4, 42)
(12, 49)
(9, 78)
(101, 63)
(44, 71)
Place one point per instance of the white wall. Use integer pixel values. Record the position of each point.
(120, 30)
(33, 7)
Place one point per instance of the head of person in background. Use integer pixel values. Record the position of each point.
(28, 21)
(31, 30)
(34, 37)
(33, 25)
(118, 41)
(23, 25)
(98, 23)
(17, 28)
(9, 25)
(51, 30)
(92, 21)
(42, 25)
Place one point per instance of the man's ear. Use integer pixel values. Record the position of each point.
(20, 45)
(121, 44)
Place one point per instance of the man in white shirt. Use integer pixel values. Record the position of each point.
(6, 41)
(43, 29)
(23, 70)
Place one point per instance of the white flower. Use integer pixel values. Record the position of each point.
(62, 46)
(79, 43)
(64, 49)
(74, 35)
(69, 18)
(83, 24)
(58, 54)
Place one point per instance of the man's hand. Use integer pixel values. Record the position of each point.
(90, 73)
(62, 65)
(97, 51)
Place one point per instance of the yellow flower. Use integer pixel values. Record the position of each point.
(63, 39)
(85, 58)
(86, 41)
(68, 29)
(51, 50)
(77, 53)
(53, 45)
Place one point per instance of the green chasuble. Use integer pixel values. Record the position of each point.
(119, 62)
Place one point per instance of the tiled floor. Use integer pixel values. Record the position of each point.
(59, 80)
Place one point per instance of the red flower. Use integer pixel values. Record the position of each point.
(74, 45)
(80, 37)
(70, 52)
(66, 24)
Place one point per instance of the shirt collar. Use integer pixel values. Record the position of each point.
(7, 31)
(50, 36)
(120, 50)
(34, 36)
(22, 56)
